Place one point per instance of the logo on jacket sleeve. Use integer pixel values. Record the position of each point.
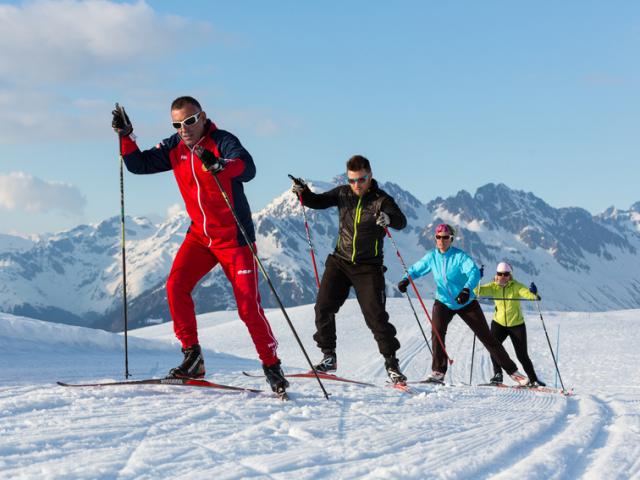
(245, 272)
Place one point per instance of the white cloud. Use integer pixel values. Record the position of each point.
(62, 59)
(70, 40)
(21, 192)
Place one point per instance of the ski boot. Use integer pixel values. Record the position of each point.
(329, 363)
(277, 381)
(435, 377)
(496, 379)
(393, 370)
(536, 383)
(519, 378)
(192, 366)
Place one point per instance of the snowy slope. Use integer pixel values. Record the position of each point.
(454, 432)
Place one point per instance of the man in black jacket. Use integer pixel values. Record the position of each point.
(357, 261)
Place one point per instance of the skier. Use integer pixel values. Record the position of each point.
(364, 212)
(196, 152)
(456, 275)
(508, 320)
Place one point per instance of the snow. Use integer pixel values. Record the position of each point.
(152, 432)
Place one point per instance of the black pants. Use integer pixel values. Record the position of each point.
(473, 316)
(368, 282)
(518, 335)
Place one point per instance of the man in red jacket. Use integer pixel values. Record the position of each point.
(195, 153)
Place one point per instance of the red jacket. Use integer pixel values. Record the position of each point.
(209, 213)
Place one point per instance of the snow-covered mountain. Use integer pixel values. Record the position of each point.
(579, 261)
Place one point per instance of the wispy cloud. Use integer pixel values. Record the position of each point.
(21, 192)
(61, 59)
(70, 40)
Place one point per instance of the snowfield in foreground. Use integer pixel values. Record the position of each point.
(152, 432)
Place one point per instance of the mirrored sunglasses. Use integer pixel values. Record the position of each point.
(192, 120)
(359, 180)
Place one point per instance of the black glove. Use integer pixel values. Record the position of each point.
(463, 296)
(298, 185)
(482, 271)
(120, 122)
(403, 285)
(533, 289)
(212, 163)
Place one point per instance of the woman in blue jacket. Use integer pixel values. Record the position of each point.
(456, 276)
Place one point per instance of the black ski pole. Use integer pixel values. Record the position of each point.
(266, 276)
(124, 259)
(473, 345)
(509, 299)
(473, 351)
(419, 324)
(550, 347)
(306, 226)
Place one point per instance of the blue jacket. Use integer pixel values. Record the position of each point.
(452, 271)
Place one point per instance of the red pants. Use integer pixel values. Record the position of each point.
(193, 261)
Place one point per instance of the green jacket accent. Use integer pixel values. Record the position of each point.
(507, 313)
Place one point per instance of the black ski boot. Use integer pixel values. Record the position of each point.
(329, 363)
(536, 383)
(192, 366)
(393, 370)
(497, 378)
(276, 379)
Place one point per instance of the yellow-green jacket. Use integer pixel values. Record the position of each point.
(508, 312)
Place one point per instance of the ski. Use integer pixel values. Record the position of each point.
(186, 382)
(428, 382)
(402, 387)
(322, 375)
(566, 393)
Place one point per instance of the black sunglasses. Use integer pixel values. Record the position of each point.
(192, 120)
(443, 237)
(503, 274)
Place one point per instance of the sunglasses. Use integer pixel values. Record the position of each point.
(359, 180)
(187, 122)
(503, 274)
(443, 237)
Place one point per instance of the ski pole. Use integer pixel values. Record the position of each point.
(415, 289)
(419, 324)
(555, 382)
(473, 351)
(124, 261)
(550, 347)
(266, 276)
(473, 345)
(306, 226)
(508, 299)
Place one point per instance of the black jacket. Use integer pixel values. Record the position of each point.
(360, 240)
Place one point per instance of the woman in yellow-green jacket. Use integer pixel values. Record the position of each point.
(508, 320)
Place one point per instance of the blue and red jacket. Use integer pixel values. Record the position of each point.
(210, 216)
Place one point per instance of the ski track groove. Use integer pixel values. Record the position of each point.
(581, 424)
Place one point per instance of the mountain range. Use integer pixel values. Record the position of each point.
(579, 261)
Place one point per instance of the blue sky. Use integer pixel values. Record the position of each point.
(440, 96)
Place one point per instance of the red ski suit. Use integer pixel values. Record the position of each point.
(213, 237)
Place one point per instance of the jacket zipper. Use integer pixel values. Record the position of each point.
(195, 178)
(356, 220)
